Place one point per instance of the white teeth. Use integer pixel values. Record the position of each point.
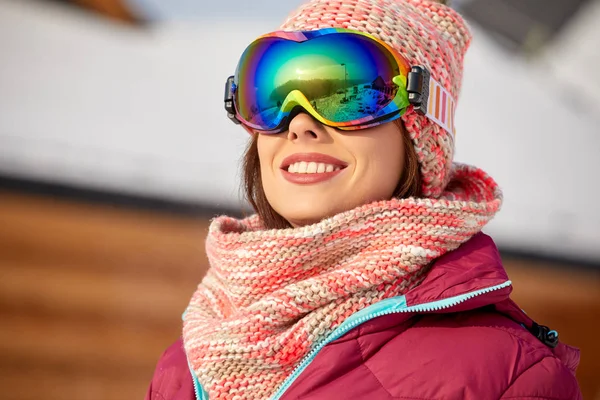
(304, 167)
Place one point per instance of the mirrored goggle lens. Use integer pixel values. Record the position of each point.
(345, 77)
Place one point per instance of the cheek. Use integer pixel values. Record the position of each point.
(387, 171)
(393, 154)
(383, 162)
(266, 148)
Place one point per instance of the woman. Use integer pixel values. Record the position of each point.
(364, 273)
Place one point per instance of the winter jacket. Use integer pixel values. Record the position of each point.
(455, 336)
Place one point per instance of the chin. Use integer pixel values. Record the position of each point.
(307, 215)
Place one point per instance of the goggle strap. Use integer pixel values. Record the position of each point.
(441, 106)
(429, 98)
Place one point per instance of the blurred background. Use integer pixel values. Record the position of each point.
(115, 152)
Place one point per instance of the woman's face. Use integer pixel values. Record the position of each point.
(313, 171)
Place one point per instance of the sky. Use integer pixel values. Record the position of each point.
(271, 10)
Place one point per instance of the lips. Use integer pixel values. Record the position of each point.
(317, 158)
(308, 168)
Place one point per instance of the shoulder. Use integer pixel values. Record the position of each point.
(172, 379)
(546, 379)
(492, 356)
(483, 353)
(473, 354)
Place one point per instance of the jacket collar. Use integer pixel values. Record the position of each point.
(477, 266)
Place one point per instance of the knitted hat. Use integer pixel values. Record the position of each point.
(426, 33)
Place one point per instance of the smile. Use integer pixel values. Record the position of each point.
(307, 168)
(304, 167)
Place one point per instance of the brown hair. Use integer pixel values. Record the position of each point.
(409, 185)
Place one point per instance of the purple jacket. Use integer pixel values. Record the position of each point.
(455, 336)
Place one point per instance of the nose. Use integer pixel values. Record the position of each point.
(303, 127)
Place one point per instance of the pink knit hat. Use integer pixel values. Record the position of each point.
(425, 33)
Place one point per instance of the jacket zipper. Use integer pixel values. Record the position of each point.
(198, 390)
(384, 307)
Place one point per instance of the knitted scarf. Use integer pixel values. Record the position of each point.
(270, 296)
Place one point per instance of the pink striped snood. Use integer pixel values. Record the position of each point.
(270, 296)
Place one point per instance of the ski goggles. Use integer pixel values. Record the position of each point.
(345, 79)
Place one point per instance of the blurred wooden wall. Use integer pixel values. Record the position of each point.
(91, 295)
